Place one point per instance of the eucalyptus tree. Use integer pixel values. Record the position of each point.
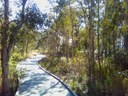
(73, 20)
(65, 9)
(9, 30)
(97, 26)
(4, 49)
(88, 6)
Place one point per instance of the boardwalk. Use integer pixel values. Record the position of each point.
(37, 82)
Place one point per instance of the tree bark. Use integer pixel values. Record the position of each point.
(91, 62)
(98, 38)
(7, 42)
(72, 29)
(4, 54)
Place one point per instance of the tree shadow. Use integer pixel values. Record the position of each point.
(39, 83)
(50, 91)
(33, 82)
(42, 83)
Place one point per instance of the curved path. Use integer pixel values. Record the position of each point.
(38, 82)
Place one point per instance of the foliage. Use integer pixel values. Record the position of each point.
(97, 29)
(86, 43)
(74, 76)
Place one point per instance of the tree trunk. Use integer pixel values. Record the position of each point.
(72, 29)
(4, 53)
(7, 42)
(126, 43)
(98, 35)
(91, 62)
(5, 71)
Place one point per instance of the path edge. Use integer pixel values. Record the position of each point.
(57, 78)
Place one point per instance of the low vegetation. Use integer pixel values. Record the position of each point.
(86, 43)
(110, 79)
(71, 72)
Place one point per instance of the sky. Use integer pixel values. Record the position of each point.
(43, 5)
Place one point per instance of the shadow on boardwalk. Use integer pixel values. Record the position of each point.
(37, 82)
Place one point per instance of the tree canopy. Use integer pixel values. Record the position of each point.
(86, 43)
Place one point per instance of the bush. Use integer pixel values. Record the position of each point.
(71, 72)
